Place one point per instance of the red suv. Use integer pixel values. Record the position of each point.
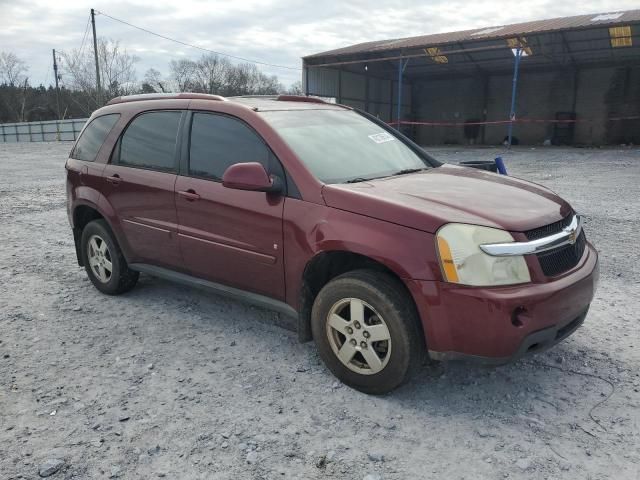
(382, 254)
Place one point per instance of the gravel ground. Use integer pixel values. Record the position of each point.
(171, 382)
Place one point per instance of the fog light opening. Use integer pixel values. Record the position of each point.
(516, 317)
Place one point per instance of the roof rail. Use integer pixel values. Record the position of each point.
(165, 96)
(283, 98)
(299, 98)
(263, 97)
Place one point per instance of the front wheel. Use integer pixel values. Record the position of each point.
(366, 329)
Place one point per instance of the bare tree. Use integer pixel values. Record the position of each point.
(12, 69)
(210, 73)
(295, 88)
(154, 83)
(182, 74)
(217, 75)
(117, 69)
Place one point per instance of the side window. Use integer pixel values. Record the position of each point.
(93, 137)
(218, 141)
(150, 141)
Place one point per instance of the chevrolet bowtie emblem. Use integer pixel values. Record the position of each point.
(572, 237)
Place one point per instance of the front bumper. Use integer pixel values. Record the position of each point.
(500, 324)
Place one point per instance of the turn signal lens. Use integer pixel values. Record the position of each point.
(446, 260)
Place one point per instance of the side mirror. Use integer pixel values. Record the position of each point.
(250, 176)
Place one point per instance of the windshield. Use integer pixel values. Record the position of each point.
(343, 146)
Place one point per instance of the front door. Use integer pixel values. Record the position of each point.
(229, 236)
(140, 182)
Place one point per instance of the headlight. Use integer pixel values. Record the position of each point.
(462, 261)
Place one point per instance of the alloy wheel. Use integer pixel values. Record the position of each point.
(358, 336)
(99, 258)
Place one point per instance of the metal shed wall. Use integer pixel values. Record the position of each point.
(595, 94)
(374, 95)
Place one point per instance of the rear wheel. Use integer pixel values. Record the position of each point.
(366, 329)
(103, 260)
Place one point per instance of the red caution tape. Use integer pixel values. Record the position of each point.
(505, 122)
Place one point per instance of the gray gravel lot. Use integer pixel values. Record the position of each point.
(177, 383)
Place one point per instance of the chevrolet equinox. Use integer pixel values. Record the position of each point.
(383, 255)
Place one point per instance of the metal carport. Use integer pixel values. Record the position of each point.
(409, 79)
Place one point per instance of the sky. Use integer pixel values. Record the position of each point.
(273, 31)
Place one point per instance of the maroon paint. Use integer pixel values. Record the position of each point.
(143, 203)
(477, 321)
(246, 176)
(447, 194)
(232, 236)
(262, 242)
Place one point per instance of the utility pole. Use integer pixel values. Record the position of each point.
(95, 54)
(55, 74)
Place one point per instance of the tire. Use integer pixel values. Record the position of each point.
(384, 303)
(100, 251)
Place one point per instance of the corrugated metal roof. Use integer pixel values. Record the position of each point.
(577, 22)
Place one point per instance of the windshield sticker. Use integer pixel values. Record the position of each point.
(381, 137)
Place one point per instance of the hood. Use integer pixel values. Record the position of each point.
(427, 200)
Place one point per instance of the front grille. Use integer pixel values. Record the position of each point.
(550, 229)
(557, 261)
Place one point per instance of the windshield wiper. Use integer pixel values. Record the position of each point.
(409, 170)
(401, 172)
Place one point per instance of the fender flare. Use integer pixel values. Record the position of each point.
(107, 214)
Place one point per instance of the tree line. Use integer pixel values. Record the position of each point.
(22, 102)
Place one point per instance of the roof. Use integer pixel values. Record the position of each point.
(488, 33)
(598, 39)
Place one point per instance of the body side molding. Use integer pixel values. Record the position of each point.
(250, 297)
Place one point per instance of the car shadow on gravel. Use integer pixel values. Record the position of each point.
(539, 388)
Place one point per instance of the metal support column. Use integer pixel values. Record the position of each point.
(512, 113)
(401, 66)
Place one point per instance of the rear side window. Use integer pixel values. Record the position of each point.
(93, 137)
(150, 141)
(218, 141)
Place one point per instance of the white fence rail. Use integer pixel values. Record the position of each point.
(49, 131)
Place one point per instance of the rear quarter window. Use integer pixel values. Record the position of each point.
(93, 137)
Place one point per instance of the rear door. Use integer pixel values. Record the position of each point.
(140, 183)
(229, 236)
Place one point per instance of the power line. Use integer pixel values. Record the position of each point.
(196, 46)
(84, 37)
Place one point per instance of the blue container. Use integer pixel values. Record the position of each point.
(502, 170)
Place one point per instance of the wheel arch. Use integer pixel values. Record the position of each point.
(327, 265)
(83, 213)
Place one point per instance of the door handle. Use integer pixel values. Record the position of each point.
(113, 179)
(190, 195)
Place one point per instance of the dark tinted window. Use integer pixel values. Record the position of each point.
(150, 141)
(218, 142)
(93, 137)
